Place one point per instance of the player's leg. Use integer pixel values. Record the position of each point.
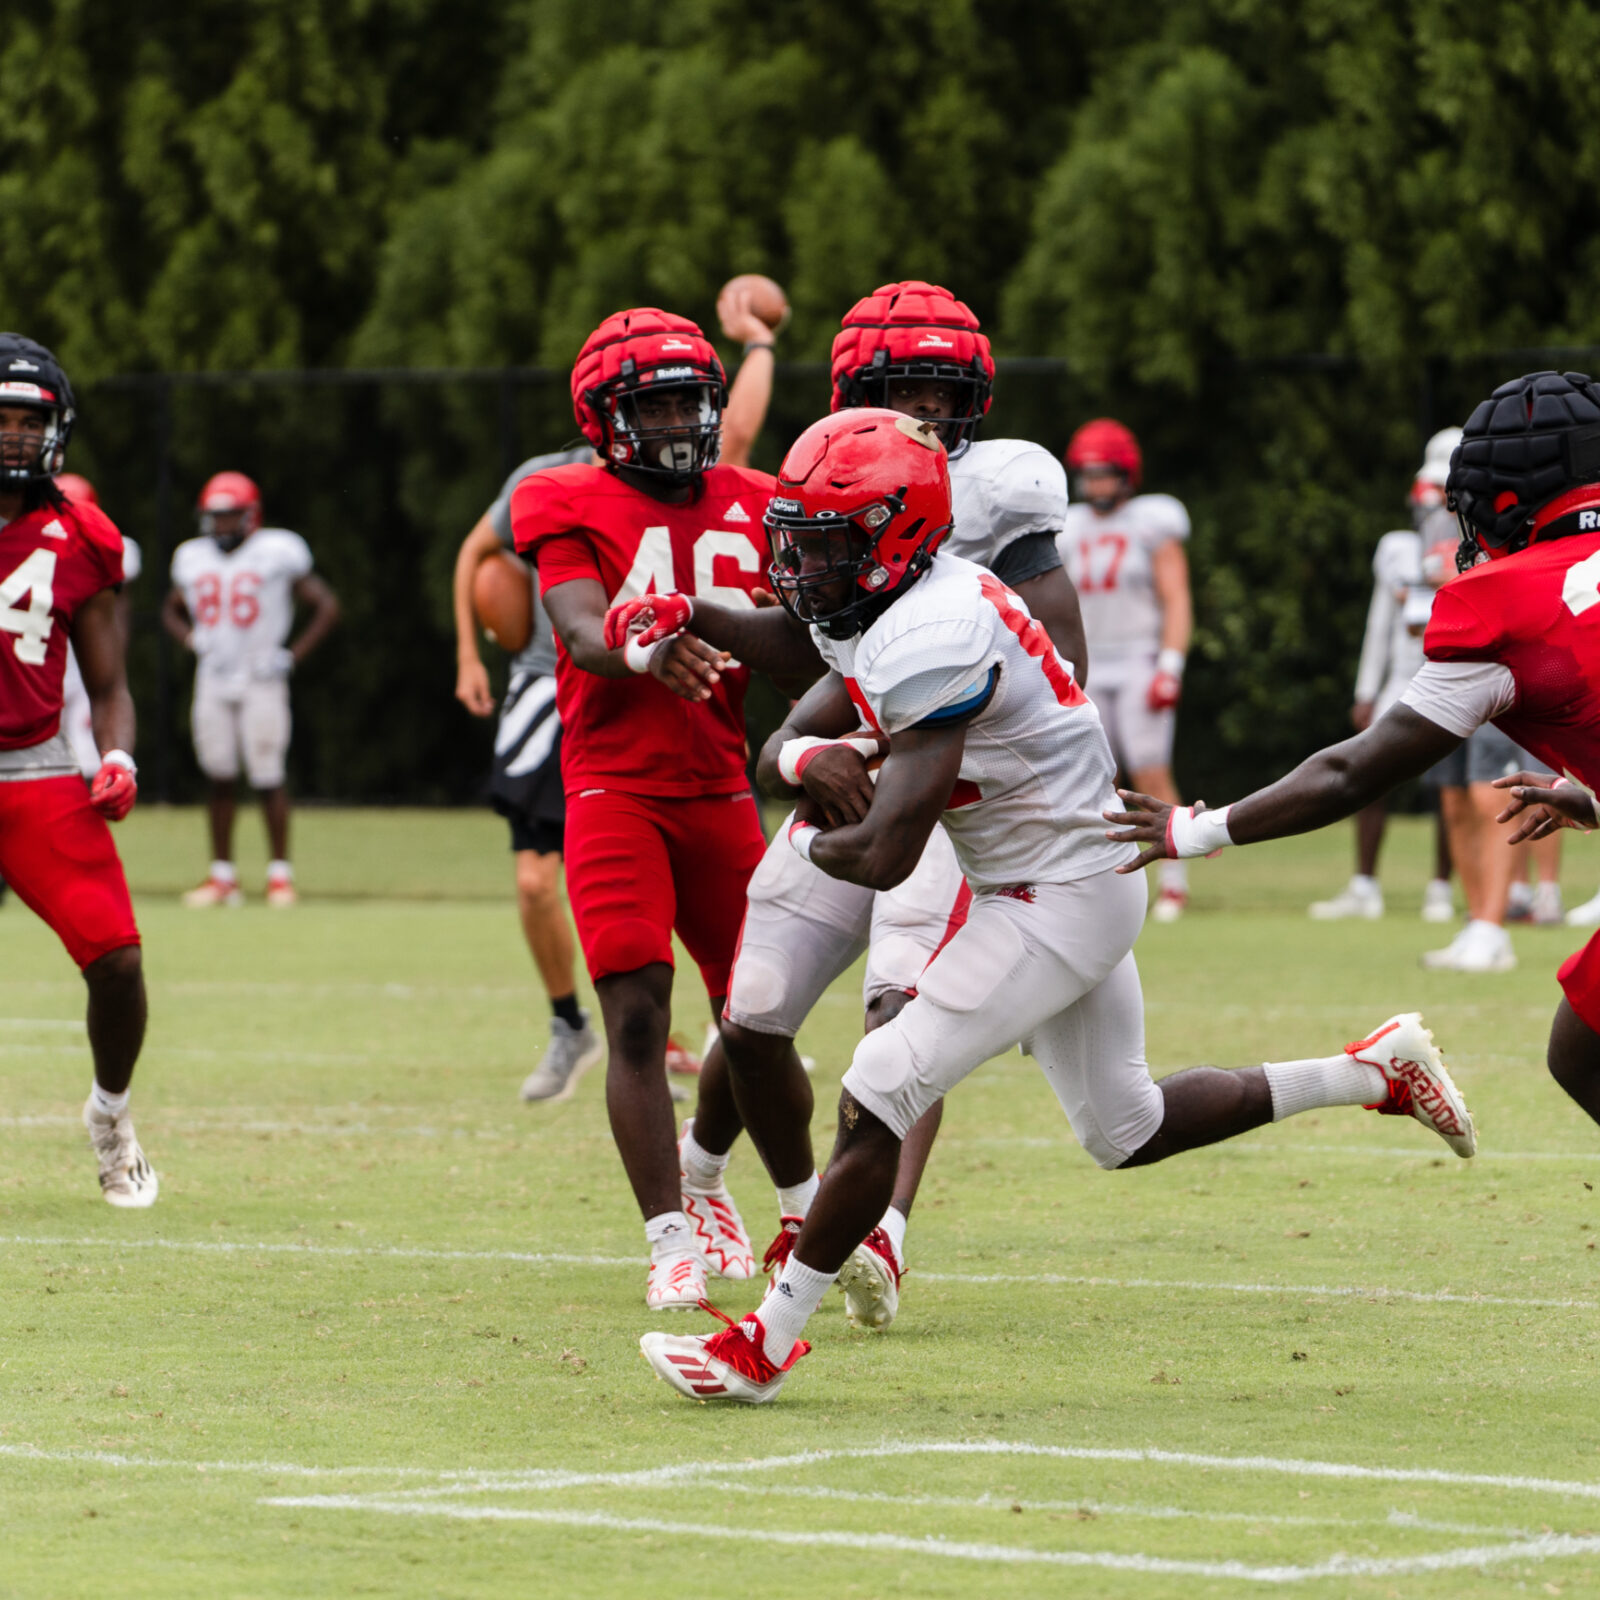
(265, 728)
(56, 852)
(1574, 1050)
(215, 724)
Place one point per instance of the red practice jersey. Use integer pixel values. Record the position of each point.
(51, 562)
(634, 734)
(1538, 614)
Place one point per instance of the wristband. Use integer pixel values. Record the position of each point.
(636, 655)
(795, 755)
(759, 344)
(1192, 831)
(802, 835)
(1171, 661)
(119, 758)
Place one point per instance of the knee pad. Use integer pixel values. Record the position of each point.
(757, 991)
(883, 1076)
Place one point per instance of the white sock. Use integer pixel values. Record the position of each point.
(787, 1307)
(669, 1235)
(701, 1169)
(1361, 883)
(108, 1105)
(279, 870)
(1175, 876)
(894, 1224)
(223, 872)
(795, 1201)
(1338, 1080)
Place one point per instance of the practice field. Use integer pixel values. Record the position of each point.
(379, 1336)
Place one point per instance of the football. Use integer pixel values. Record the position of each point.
(502, 600)
(767, 299)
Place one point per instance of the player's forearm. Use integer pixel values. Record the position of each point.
(175, 619)
(112, 717)
(322, 623)
(749, 395)
(825, 711)
(875, 855)
(768, 640)
(1177, 620)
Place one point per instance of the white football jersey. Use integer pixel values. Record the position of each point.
(1036, 772)
(1002, 489)
(1108, 560)
(241, 601)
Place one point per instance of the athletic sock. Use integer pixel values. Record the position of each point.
(567, 1009)
(279, 872)
(1363, 883)
(787, 1306)
(795, 1200)
(894, 1224)
(1175, 876)
(669, 1235)
(701, 1169)
(223, 872)
(108, 1105)
(1329, 1081)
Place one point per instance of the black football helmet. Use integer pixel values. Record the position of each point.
(30, 376)
(1528, 466)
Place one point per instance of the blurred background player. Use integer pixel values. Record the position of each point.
(232, 600)
(1124, 552)
(525, 787)
(64, 560)
(1391, 653)
(662, 832)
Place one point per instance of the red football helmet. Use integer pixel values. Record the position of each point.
(909, 331)
(76, 490)
(227, 492)
(1106, 443)
(632, 357)
(862, 504)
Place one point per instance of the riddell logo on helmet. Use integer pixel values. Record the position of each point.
(1588, 520)
(664, 374)
(932, 341)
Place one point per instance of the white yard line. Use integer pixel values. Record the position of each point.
(1046, 1279)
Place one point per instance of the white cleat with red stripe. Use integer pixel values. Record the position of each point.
(719, 1231)
(730, 1364)
(677, 1283)
(1419, 1084)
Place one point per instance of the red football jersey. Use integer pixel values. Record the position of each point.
(51, 562)
(1538, 614)
(634, 733)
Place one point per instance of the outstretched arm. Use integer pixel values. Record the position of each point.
(765, 638)
(577, 612)
(1334, 783)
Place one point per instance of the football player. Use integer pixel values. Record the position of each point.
(914, 348)
(985, 727)
(1124, 550)
(232, 600)
(61, 565)
(1391, 652)
(662, 832)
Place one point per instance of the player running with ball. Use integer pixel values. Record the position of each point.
(987, 729)
(61, 565)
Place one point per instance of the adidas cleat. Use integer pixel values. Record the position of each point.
(871, 1282)
(127, 1179)
(1420, 1086)
(727, 1365)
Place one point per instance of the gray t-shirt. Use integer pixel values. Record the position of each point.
(539, 657)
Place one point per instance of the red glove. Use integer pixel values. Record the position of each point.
(620, 618)
(1166, 688)
(667, 614)
(115, 786)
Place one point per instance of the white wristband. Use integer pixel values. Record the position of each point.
(119, 758)
(637, 656)
(802, 835)
(1197, 833)
(1171, 661)
(793, 753)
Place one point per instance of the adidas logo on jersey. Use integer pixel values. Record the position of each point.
(53, 529)
(736, 513)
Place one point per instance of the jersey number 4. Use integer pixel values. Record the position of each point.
(32, 626)
(654, 572)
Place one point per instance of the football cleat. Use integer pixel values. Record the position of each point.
(1354, 900)
(215, 892)
(1420, 1086)
(1479, 947)
(871, 1282)
(681, 1060)
(719, 1232)
(782, 1246)
(1585, 916)
(730, 1364)
(676, 1283)
(1169, 905)
(126, 1178)
(281, 893)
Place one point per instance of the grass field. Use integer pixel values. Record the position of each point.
(379, 1337)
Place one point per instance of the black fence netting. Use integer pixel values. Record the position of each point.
(1291, 471)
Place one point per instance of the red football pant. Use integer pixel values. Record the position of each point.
(640, 866)
(1580, 981)
(56, 852)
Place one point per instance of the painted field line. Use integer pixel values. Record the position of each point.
(197, 1125)
(261, 1469)
(1045, 1279)
(1392, 1152)
(1542, 1548)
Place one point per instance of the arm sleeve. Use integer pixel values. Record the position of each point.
(928, 671)
(1030, 556)
(1460, 696)
(1374, 666)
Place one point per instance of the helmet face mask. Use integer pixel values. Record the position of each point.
(672, 429)
(953, 398)
(228, 510)
(36, 414)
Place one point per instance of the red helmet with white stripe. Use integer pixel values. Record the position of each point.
(861, 506)
(1105, 444)
(225, 494)
(914, 331)
(648, 391)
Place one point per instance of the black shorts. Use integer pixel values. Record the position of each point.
(526, 784)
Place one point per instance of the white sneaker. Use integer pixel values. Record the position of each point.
(1420, 1086)
(1545, 911)
(215, 892)
(730, 1364)
(126, 1178)
(1479, 947)
(1169, 905)
(1438, 904)
(1354, 900)
(871, 1282)
(1585, 916)
(676, 1283)
(570, 1053)
(719, 1231)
